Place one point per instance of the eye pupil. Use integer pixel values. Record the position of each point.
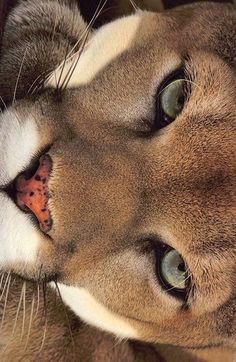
(180, 102)
(181, 267)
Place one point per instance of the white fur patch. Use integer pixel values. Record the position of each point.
(19, 240)
(109, 42)
(19, 141)
(91, 311)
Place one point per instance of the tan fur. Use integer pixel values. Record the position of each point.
(113, 190)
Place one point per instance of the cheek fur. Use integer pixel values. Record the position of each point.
(20, 240)
(19, 142)
(91, 311)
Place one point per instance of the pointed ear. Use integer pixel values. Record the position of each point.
(38, 36)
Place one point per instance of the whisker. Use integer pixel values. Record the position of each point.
(38, 300)
(43, 75)
(179, 284)
(40, 272)
(118, 341)
(4, 104)
(62, 68)
(81, 49)
(24, 309)
(45, 314)
(108, 9)
(73, 66)
(30, 322)
(40, 84)
(65, 312)
(54, 27)
(194, 83)
(18, 76)
(5, 303)
(18, 310)
(182, 79)
(44, 335)
(3, 291)
(46, 74)
(44, 285)
(135, 6)
(86, 29)
(3, 274)
(66, 54)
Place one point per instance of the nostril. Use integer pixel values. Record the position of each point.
(32, 194)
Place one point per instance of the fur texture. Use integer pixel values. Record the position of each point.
(121, 189)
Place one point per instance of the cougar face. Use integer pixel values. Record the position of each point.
(133, 192)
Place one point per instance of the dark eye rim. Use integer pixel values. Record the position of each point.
(160, 249)
(161, 119)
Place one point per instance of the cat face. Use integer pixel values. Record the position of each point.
(133, 187)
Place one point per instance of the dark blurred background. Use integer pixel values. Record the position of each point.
(112, 8)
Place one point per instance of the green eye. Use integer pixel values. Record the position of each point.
(173, 270)
(172, 99)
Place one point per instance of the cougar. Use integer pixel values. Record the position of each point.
(117, 177)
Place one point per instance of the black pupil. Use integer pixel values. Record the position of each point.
(181, 267)
(180, 102)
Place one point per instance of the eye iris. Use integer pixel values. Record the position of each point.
(172, 98)
(173, 270)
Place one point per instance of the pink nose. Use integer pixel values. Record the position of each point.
(33, 193)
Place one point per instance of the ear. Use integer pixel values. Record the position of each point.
(38, 36)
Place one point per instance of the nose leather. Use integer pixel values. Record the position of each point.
(33, 193)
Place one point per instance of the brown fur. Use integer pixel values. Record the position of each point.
(112, 190)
